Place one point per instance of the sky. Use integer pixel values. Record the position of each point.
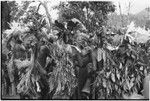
(136, 6)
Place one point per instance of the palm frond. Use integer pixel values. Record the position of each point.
(15, 29)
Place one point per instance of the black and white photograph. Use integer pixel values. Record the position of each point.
(75, 50)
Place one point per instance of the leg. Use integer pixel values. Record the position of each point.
(83, 72)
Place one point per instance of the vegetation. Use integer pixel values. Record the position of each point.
(141, 19)
(41, 65)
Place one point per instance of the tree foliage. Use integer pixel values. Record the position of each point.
(125, 62)
(5, 15)
(92, 14)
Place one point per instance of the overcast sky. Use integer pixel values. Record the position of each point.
(136, 5)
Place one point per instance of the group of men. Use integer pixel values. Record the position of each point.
(65, 34)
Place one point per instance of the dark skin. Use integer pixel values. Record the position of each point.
(18, 52)
(42, 56)
(18, 49)
(59, 25)
(71, 25)
(82, 61)
(65, 35)
(43, 53)
(62, 33)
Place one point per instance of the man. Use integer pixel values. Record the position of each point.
(43, 53)
(71, 25)
(18, 52)
(59, 25)
(62, 31)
